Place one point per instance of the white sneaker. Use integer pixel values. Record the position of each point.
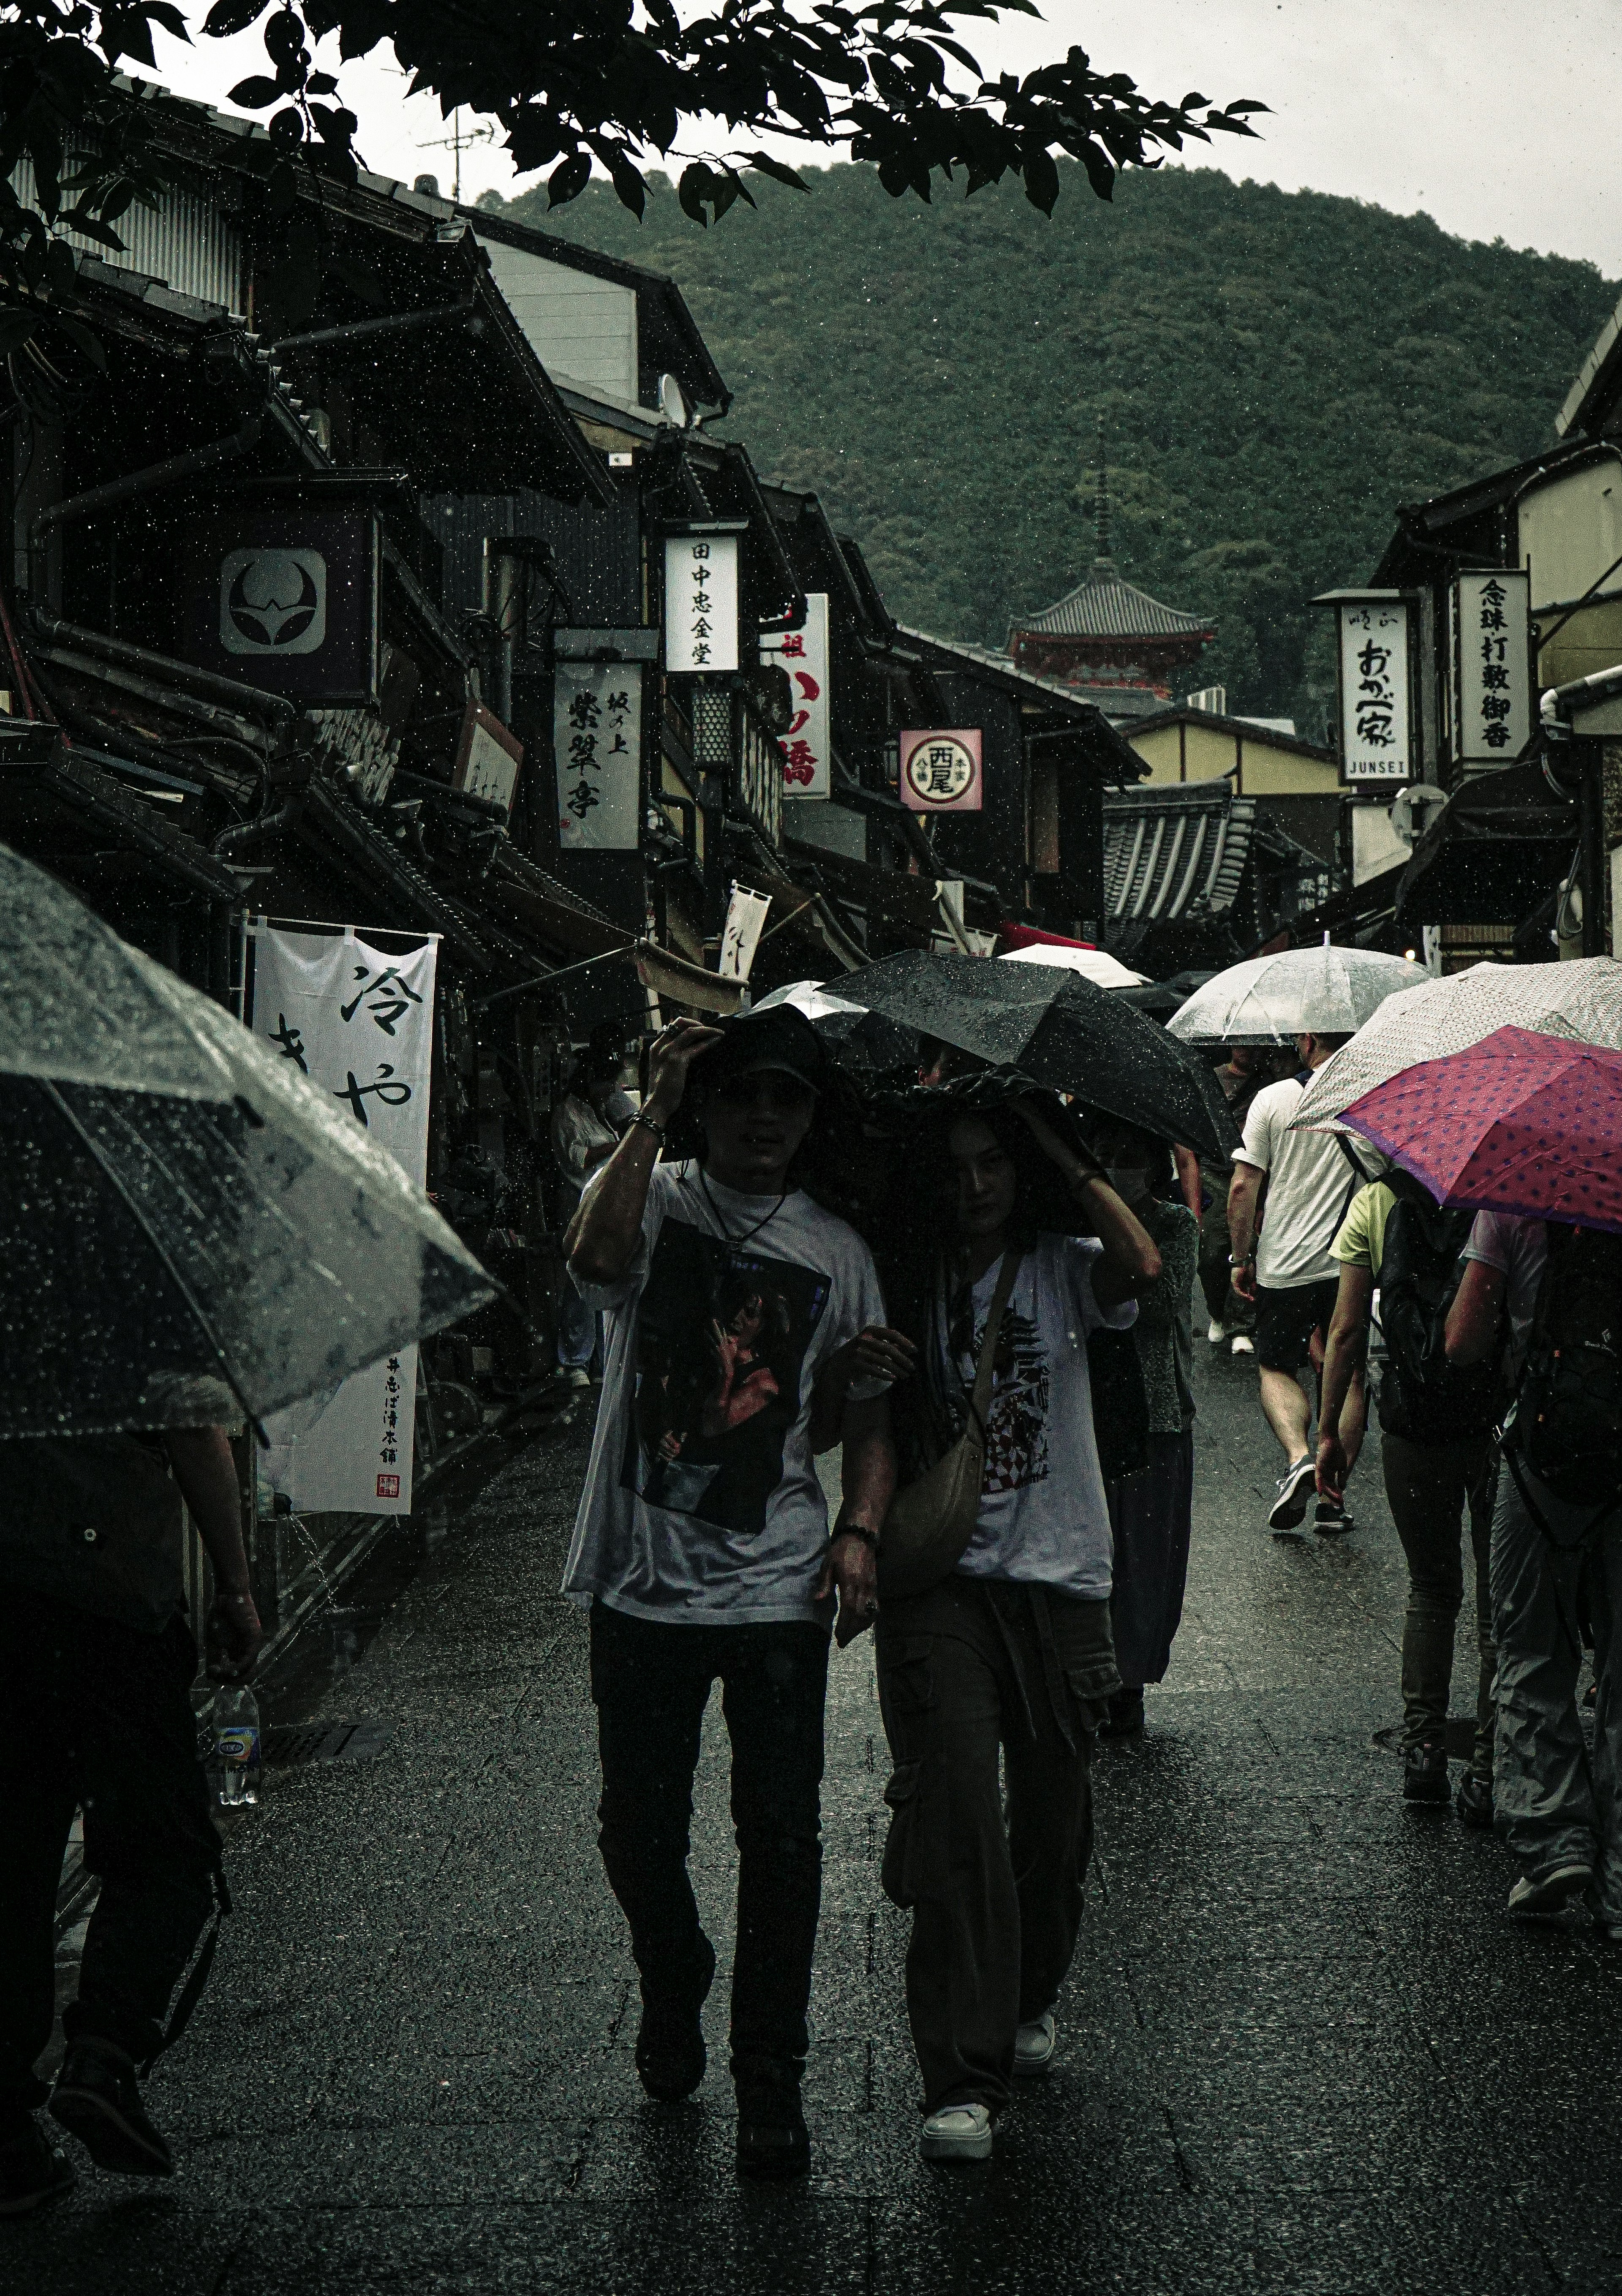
(577, 1375)
(1550, 1893)
(957, 2132)
(1218, 1332)
(1243, 1344)
(1034, 2046)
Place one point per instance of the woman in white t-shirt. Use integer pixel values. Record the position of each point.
(1012, 1650)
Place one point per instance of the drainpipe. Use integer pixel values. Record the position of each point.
(358, 330)
(150, 481)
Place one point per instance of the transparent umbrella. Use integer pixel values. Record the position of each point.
(1326, 991)
(1580, 1000)
(188, 1231)
(865, 1044)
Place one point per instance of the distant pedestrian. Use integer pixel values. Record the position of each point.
(1283, 1264)
(96, 1666)
(1554, 1296)
(737, 1312)
(1437, 1452)
(1230, 1317)
(585, 1129)
(1005, 1663)
(1151, 1514)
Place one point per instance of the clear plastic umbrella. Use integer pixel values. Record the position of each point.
(1582, 1000)
(188, 1230)
(1267, 1000)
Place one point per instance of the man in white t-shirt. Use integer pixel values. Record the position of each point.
(702, 1543)
(1283, 1261)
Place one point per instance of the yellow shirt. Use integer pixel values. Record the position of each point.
(1362, 1240)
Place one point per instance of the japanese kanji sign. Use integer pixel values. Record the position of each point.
(1375, 718)
(941, 772)
(358, 1020)
(1492, 693)
(701, 602)
(597, 734)
(807, 746)
(488, 757)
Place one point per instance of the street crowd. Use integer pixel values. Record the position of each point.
(990, 1318)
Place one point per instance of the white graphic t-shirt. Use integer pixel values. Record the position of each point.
(1044, 1517)
(702, 1501)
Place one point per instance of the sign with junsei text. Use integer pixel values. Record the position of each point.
(807, 746)
(1493, 686)
(358, 1021)
(596, 736)
(700, 601)
(1376, 720)
(941, 772)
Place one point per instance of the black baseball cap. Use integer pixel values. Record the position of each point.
(780, 1038)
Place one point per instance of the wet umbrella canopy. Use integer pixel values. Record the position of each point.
(1059, 1030)
(1267, 1000)
(187, 1228)
(865, 1044)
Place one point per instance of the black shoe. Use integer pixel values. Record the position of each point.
(773, 2138)
(1330, 1518)
(32, 2169)
(1124, 1718)
(670, 2055)
(1474, 1799)
(1425, 1772)
(98, 2100)
(1294, 1489)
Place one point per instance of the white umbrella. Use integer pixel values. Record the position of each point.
(1581, 999)
(1326, 992)
(1094, 963)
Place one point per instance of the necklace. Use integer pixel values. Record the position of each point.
(715, 1210)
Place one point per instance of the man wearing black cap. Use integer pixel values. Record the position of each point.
(702, 1543)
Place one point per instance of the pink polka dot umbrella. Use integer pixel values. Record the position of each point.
(1519, 1123)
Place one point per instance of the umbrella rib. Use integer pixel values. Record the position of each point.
(162, 1251)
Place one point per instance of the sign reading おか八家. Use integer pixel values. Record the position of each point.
(1376, 719)
(700, 601)
(941, 772)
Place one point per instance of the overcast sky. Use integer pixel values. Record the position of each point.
(1499, 121)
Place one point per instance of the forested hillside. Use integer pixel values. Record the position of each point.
(1274, 372)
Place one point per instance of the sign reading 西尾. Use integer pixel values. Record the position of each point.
(807, 746)
(596, 736)
(1375, 716)
(700, 601)
(941, 772)
(359, 1022)
(1493, 666)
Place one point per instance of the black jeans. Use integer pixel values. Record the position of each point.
(94, 1715)
(652, 1683)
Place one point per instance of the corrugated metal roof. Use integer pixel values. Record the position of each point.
(1103, 606)
(1176, 852)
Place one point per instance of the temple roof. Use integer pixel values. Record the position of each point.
(1103, 606)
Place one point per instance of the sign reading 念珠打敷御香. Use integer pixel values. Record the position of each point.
(1492, 667)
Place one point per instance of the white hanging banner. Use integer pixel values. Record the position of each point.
(700, 601)
(359, 1022)
(597, 734)
(807, 746)
(746, 914)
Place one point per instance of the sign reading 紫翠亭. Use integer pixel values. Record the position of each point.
(700, 601)
(807, 746)
(597, 734)
(1376, 720)
(941, 772)
(1493, 666)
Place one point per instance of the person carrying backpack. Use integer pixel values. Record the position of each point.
(1557, 1549)
(1437, 1420)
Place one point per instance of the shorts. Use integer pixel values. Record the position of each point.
(1286, 1320)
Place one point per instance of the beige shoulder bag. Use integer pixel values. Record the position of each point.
(929, 1524)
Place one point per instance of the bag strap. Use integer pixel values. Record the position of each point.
(985, 1370)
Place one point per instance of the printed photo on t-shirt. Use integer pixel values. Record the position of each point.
(1016, 1423)
(720, 1343)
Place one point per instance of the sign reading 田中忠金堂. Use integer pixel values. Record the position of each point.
(1493, 666)
(700, 601)
(941, 772)
(807, 746)
(1376, 721)
(597, 734)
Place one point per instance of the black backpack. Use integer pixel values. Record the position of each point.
(1566, 1425)
(1423, 1396)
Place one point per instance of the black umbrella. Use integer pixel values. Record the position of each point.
(869, 1049)
(1058, 1028)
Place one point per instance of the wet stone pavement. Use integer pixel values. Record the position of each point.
(1302, 2047)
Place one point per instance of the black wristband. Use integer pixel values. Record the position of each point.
(651, 1124)
(862, 1530)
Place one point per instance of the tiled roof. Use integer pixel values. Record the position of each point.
(1103, 606)
(1176, 852)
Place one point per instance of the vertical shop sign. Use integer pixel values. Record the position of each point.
(596, 733)
(1376, 722)
(358, 1021)
(1493, 690)
(700, 601)
(807, 746)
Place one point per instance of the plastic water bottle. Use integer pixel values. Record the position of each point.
(236, 1744)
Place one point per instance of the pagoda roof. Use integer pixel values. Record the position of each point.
(1103, 606)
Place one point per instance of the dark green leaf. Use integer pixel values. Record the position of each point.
(287, 129)
(164, 13)
(321, 84)
(282, 191)
(763, 164)
(15, 328)
(228, 16)
(568, 180)
(254, 94)
(1041, 180)
(87, 338)
(88, 228)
